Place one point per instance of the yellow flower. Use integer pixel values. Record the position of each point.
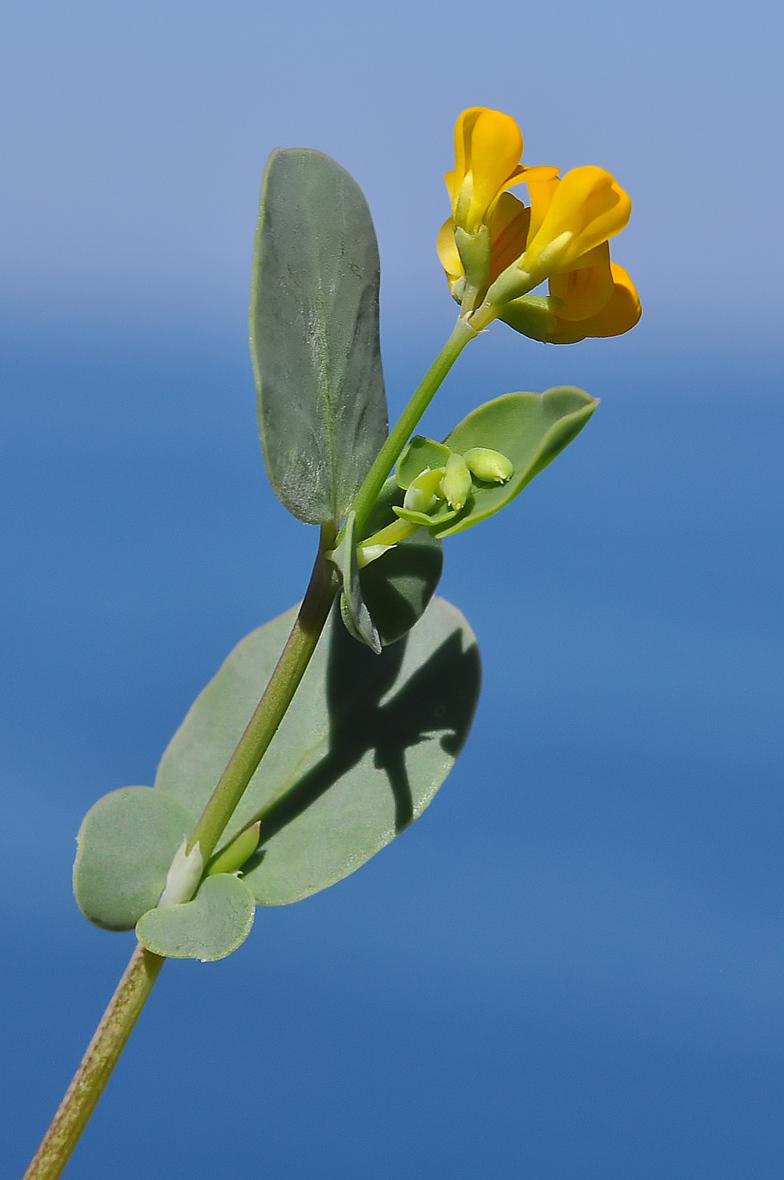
(508, 235)
(488, 146)
(594, 301)
(503, 242)
(495, 250)
(571, 217)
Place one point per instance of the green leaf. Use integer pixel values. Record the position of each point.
(530, 429)
(420, 453)
(363, 749)
(125, 846)
(314, 334)
(210, 927)
(397, 587)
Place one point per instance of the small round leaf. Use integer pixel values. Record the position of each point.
(210, 927)
(125, 846)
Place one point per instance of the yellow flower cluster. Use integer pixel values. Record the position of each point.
(495, 250)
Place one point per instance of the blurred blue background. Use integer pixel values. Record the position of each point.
(573, 965)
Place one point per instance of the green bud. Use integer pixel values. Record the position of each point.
(489, 466)
(456, 484)
(234, 855)
(424, 492)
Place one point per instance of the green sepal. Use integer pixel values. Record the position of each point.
(530, 429)
(353, 610)
(210, 927)
(533, 316)
(125, 847)
(315, 335)
(420, 453)
(428, 521)
(361, 752)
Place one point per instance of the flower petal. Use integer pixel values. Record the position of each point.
(508, 234)
(463, 130)
(586, 290)
(542, 183)
(448, 252)
(586, 208)
(622, 311)
(496, 148)
(488, 146)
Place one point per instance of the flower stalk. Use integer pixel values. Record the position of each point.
(103, 1053)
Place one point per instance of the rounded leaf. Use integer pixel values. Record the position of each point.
(126, 844)
(314, 334)
(364, 747)
(210, 927)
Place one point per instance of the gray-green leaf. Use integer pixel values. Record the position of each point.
(125, 846)
(314, 334)
(210, 927)
(363, 749)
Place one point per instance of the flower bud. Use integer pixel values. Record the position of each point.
(424, 493)
(456, 484)
(235, 855)
(489, 466)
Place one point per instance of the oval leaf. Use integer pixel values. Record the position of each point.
(363, 749)
(530, 429)
(125, 846)
(314, 334)
(210, 927)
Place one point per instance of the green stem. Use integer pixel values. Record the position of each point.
(136, 984)
(404, 428)
(96, 1066)
(272, 707)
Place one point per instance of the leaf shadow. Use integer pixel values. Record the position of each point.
(439, 697)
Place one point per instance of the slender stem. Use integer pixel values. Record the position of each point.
(96, 1066)
(404, 428)
(272, 707)
(136, 984)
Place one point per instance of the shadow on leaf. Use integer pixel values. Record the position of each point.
(439, 697)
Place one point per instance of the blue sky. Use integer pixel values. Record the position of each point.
(572, 966)
(135, 134)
